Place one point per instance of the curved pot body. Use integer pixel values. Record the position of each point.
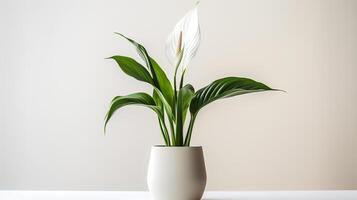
(176, 173)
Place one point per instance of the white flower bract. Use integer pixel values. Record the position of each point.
(189, 29)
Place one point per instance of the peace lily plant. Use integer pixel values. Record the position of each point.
(172, 102)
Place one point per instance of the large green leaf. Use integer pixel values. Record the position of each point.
(163, 82)
(141, 51)
(223, 88)
(159, 77)
(184, 98)
(140, 98)
(133, 68)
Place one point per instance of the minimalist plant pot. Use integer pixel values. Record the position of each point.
(176, 173)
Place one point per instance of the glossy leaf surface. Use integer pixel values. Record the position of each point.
(141, 99)
(133, 68)
(223, 88)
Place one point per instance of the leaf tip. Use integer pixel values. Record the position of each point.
(105, 129)
(117, 33)
(279, 90)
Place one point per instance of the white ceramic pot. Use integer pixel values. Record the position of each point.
(176, 173)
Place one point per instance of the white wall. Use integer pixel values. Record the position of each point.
(56, 85)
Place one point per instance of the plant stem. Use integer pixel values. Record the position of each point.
(164, 134)
(189, 131)
(182, 76)
(173, 141)
(179, 54)
(175, 90)
(179, 131)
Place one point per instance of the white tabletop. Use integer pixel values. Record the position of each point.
(212, 195)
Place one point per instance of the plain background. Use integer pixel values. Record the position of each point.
(56, 86)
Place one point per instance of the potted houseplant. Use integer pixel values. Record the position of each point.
(176, 169)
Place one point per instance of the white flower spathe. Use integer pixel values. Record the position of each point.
(186, 37)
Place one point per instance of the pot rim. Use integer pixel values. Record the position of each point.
(168, 147)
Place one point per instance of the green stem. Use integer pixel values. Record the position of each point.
(182, 76)
(173, 141)
(189, 131)
(175, 89)
(179, 131)
(174, 106)
(164, 134)
(180, 54)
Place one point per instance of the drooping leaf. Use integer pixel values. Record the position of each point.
(133, 68)
(223, 88)
(140, 98)
(184, 98)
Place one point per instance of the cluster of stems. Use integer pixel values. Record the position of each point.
(176, 136)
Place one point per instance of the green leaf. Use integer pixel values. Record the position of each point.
(184, 98)
(140, 98)
(157, 99)
(165, 103)
(133, 68)
(223, 88)
(159, 77)
(163, 82)
(140, 49)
